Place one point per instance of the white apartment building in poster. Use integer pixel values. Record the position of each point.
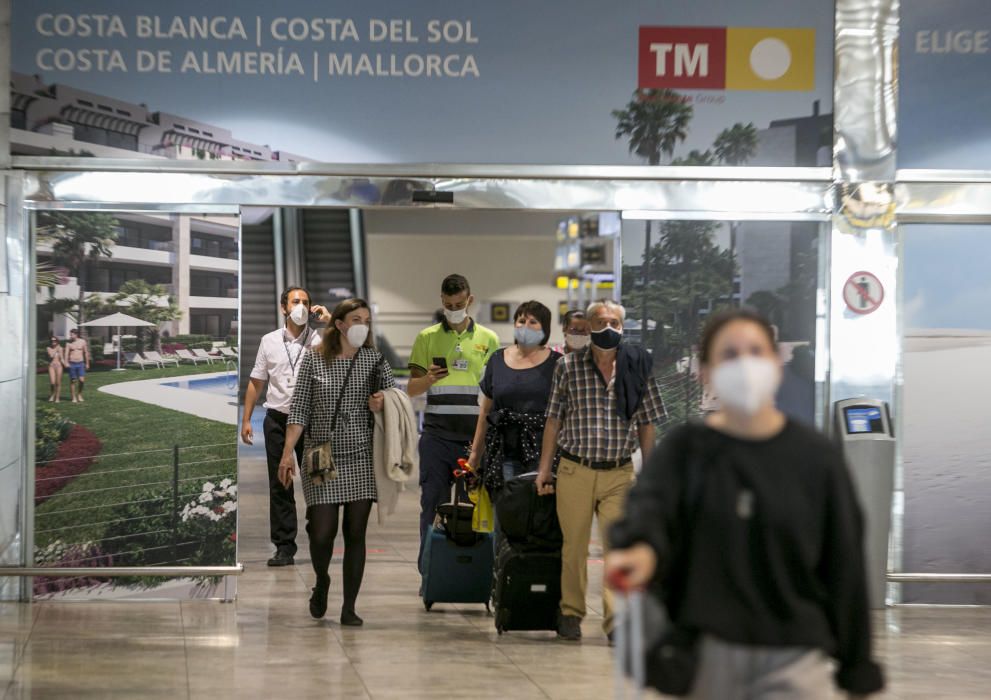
(194, 258)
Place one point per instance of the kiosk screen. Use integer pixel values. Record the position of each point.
(863, 419)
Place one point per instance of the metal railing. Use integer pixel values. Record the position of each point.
(121, 571)
(155, 520)
(938, 578)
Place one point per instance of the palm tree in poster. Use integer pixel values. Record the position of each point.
(737, 144)
(78, 239)
(696, 157)
(149, 302)
(655, 121)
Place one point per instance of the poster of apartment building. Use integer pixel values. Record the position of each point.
(136, 402)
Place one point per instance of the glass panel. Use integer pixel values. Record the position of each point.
(946, 449)
(136, 454)
(698, 267)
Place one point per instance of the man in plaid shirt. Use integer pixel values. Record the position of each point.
(596, 416)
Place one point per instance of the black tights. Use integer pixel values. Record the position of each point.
(321, 525)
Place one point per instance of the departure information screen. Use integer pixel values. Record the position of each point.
(863, 419)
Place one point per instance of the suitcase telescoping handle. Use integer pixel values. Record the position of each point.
(460, 475)
(629, 635)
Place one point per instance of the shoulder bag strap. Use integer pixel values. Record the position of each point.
(344, 386)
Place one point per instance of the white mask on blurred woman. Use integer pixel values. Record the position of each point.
(746, 384)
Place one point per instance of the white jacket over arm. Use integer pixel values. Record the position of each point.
(394, 445)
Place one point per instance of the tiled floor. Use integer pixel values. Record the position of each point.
(266, 646)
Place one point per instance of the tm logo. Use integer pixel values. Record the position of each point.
(727, 58)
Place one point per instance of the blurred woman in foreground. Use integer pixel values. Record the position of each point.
(749, 524)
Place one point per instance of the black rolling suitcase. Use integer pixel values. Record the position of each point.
(527, 591)
(528, 521)
(527, 587)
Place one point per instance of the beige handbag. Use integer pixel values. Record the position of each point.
(318, 460)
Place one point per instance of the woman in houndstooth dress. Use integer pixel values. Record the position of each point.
(323, 375)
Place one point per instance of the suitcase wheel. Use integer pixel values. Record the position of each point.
(427, 604)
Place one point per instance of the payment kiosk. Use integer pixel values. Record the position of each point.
(863, 426)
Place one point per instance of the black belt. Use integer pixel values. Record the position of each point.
(278, 416)
(599, 466)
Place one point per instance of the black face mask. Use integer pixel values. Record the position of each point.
(607, 339)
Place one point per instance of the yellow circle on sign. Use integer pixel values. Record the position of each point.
(769, 58)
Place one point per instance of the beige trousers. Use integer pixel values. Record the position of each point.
(583, 493)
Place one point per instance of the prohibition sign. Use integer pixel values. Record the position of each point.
(863, 293)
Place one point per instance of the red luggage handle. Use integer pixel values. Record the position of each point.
(463, 469)
(618, 580)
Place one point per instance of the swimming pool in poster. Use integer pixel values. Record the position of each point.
(222, 386)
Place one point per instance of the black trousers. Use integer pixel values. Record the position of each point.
(281, 501)
(438, 460)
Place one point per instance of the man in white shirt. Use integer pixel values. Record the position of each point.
(279, 356)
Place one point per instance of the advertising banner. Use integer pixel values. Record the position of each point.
(382, 81)
(677, 273)
(136, 405)
(945, 59)
(946, 452)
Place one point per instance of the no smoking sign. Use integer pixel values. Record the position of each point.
(863, 293)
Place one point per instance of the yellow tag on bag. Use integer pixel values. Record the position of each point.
(482, 516)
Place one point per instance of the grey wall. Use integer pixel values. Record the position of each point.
(506, 256)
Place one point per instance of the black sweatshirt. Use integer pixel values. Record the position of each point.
(775, 554)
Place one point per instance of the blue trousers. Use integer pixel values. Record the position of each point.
(438, 460)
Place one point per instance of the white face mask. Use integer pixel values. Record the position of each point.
(746, 384)
(455, 317)
(299, 315)
(357, 335)
(576, 341)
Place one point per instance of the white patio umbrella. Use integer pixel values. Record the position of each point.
(118, 320)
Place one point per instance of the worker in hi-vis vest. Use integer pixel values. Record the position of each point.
(447, 363)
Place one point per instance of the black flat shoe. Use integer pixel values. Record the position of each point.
(350, 619)
(318, 601)
(281, 559)
(569, 628)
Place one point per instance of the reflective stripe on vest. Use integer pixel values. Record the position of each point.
(455, 409)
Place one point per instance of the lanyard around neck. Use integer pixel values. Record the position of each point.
(302, 349)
